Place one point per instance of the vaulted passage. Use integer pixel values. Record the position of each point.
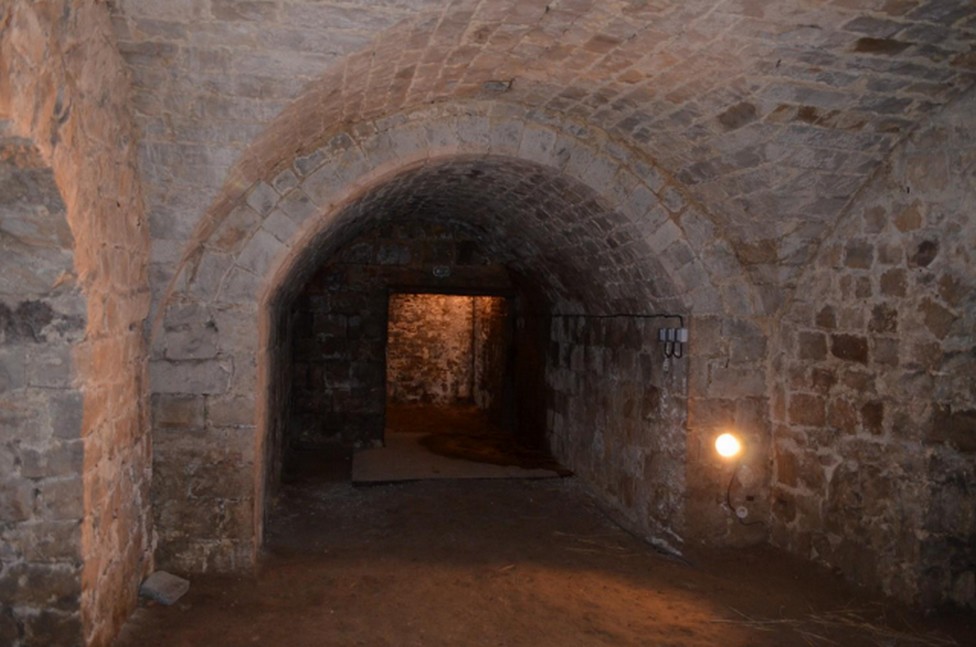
(234, 233)
(359, 335)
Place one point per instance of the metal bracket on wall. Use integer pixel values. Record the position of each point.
(674, 340)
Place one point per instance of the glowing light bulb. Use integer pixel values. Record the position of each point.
(727, 445)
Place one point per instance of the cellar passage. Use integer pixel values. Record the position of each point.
(205, 206)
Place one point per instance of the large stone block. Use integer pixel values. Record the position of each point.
(261, 253)
(851, 348)
(474, 131)
(811, 346)
(17, 502)
(196, 342)
(239, 286)
(48, 541)
(191, 377)
(208, 275)
(280, 226)
(262, 198)
(807, 410)
(953, 426)
(61, 499)
(300, 205)
(235, 411)
(178, 411)
(537, 144)
(323, 187)
(66, 410)
(225, 482)
(13, 367)
(43, 586)
(737, 382)
(53, 460)
(937, 318)
(206, 555)
(53, 627)
(236, 228)
(51, 366)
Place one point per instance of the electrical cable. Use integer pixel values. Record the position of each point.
(622, 315)
(728, 500)
(673, 339)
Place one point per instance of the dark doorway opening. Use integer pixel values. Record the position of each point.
(450, 387)
(411, 326)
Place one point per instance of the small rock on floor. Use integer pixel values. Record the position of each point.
(164, 587)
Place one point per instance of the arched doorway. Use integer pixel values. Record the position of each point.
(591, 382)
(595, 248)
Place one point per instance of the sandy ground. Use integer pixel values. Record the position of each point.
(510, 563)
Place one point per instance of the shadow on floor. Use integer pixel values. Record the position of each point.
(465, 432)
(424, 441)
(520, 563)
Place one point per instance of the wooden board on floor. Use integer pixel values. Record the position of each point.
(405, 459)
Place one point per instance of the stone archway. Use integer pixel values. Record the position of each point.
(598, 287)
(212, 369)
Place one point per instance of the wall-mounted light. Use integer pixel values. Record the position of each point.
(728, 445)
(674, 340)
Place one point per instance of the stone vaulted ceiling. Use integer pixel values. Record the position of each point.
(771, 115)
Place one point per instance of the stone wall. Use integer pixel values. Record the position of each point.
(338, 362)
(492, 381)
(618, 414)
(874, 400)
(278, 382)
(341, 327)
(449, 349)
(41, 449)
(430, 349)
(210, 75)
(63, 87)
(727, 392)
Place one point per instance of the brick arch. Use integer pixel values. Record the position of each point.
(698, 264)
(211, 350)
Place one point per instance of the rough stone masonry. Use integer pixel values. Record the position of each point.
(794, 179)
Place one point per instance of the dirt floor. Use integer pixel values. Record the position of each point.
(508, 563)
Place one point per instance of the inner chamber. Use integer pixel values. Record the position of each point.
(407, 324)
(448, 351)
